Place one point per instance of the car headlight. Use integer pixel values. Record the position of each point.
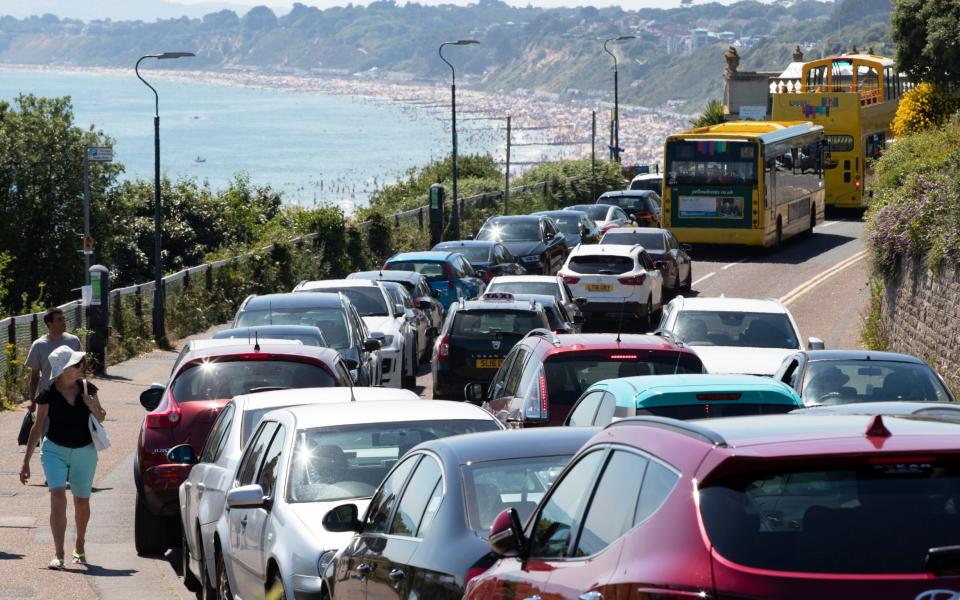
(530, 259)
(325, 559)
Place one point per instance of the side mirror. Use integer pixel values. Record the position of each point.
(506, 534)
(182, 454)
(423, 303)
(815, 344)
(373, 343)
(579, 320)
(580, 301)
(355, 376)
(398, 309)
(246, 496)
(150, 398)
(436, 293)
(548, 236)
(686, 248)
(342, 519)
(475, 392)
(469, 236)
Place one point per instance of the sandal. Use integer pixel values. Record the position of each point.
(79, 558)
(56, 564)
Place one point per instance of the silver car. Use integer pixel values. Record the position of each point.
(305, 460)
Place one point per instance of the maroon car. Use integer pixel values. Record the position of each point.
(205, 377)
(744, 508)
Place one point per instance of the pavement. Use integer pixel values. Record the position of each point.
(822, 279)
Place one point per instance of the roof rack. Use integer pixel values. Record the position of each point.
(544, 333)
(685, 427)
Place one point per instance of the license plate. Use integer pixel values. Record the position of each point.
(489, 363)
(599, 287)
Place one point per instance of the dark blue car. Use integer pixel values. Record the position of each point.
(488, 258)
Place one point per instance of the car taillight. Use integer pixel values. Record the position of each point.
(543, 398)
(643, 215)
(473, 572)
(448, 271)
(164, 420)
(633, 279)
(443, 348)
(567, 278)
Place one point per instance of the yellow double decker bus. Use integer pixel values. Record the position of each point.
(854, 97)
(755, 183)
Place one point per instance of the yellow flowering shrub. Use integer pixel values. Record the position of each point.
(922, 107)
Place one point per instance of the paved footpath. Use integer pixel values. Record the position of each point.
(115, 570)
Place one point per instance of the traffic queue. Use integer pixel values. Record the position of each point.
(720, 455)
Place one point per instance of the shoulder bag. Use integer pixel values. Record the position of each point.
(101, 440)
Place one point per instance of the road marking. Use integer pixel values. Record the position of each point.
(733, 264)
(704, 278)
(828, 224)
(811, 284)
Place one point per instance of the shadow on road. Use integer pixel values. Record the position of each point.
(10, 556)
(844, 214)
(98, 571)
(794, 251)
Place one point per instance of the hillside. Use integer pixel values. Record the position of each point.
(677, 55)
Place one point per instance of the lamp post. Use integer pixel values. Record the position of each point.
(616, 93)
(159, 325)
(455, 209)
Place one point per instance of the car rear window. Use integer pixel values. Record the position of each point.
(331, 321)
(628, 203)
(526, 287)
(431, 270)
(484, 323)
(222, 380)
(492, 486)
(843, 381)
(596, 213)
(569, 374)
(650, 241)
(735, 328)
(708, 410)
(880, 515)
(474, 253)
(568, 224)
(600, 264)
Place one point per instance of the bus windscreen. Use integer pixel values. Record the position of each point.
(711, 162)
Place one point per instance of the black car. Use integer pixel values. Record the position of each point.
(476, 336)
(489, 259)
(424, 532)
(535, 240)
(333, 314)
(576, 226)
(669, 256)
(828, 377)
(643, 206)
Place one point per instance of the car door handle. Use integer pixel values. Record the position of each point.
(363, 570)
(591, 596)
(396, 575)
(201, 488)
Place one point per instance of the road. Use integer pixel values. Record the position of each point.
(822, 279)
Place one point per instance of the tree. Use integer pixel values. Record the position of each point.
(926, 34)
(711, 115)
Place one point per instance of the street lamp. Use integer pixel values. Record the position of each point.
(616, 94)
(455, 210)
(159, 325)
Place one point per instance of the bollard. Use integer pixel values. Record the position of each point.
(98, 317)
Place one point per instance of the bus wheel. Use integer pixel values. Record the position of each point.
(778, 242)
(813, 219)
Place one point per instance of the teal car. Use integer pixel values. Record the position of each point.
(692, 396)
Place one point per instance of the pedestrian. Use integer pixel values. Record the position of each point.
(42, 347)
(67, 451)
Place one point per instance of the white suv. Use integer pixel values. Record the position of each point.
(735, 335)
(616, 282)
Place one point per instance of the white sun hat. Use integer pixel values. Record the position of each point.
(61, 358)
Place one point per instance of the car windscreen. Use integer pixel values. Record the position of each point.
(844, 381)
(544, 288)
(350, 461)
(224, 379)
(494, 485)
(876, 515)
(432, 270)
(511, 231)
(600, 264)
(651, 242)
(474, 254)
(708, 410)
(735, 328)
(568, 375)
(485, 323)
(368, 301)
(331, 321)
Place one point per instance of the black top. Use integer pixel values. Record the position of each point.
(69, 425)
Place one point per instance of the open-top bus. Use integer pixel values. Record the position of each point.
(745, 182)
(854, 97)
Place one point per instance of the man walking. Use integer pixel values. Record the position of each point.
(37, 358)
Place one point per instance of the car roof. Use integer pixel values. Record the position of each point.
(572, 342)
(264, 330)
(517, 443)
(539, 298)
(304, 286)
(326, 395)
(636, 230)
(722, 303)
(560, 213)
(656, 390)
(293, 300)
(392, 411)
(625, 193)
(613, 249)
(500, 305)
(525, 279)
(453, 245)
(893, 407)
(207, 344)
(267, 348)
(426, 255)
(388, 275)
(583, 207)
(864, 355)
(647, 176)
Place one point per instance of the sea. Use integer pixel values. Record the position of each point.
(315, 148)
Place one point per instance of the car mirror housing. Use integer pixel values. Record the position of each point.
(686, 248)
(815, 344)
(246, 496)
(182, 454)
(580, 301)
(475, 392)
(436, 293)
(398, 309)
(150, 397)
(342, 519)
(506, 534)
(371, 344)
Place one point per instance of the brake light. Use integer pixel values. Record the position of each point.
(624, 357)
(567, 278)
(443, 348)
(633, 280)
(164, 420)
(857, 184)
(448, 270)
(727, 396)
(607, 227)
(473, 572)
(543, 397)
(643, 215)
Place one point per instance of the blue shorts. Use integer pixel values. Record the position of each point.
(77, 464)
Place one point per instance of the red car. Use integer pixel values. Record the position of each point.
(777, 507)
(207, 374)
(545, 373)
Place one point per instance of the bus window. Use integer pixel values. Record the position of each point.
(710, 162)
(875, 145)
(797, 173)
(867, 78)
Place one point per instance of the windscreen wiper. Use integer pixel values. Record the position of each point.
(943, 560)
(267, 388)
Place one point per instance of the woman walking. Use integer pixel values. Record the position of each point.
(68, 452)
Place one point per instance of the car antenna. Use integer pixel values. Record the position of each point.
(270, 311)
(256, 345)
(620, 321)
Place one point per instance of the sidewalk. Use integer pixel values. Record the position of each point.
(115, 570)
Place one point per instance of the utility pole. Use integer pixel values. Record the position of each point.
(86, 215)
(593, 158)
(506, 182)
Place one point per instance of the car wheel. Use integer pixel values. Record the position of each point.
(189, 579)
(778, 241)
(223, 582)
(407, 381)
(688, 283)
(276, 591)
(647, 318)
(148, 530)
